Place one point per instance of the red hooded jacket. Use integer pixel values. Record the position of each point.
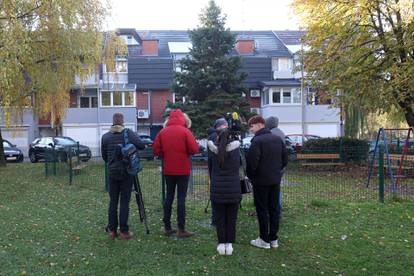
(175, 144)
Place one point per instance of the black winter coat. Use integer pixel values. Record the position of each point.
(111, 151)
(225, 182)
(266, 158)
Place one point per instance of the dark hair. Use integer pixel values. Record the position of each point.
(223, 140)
(256, 120)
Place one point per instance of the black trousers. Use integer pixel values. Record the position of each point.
(181, 182)
(266, 200)
(226, 216)
(119, 191)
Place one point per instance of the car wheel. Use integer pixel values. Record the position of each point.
(20, 159)
(32, 157)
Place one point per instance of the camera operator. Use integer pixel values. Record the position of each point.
(225, 192)
(120, 182)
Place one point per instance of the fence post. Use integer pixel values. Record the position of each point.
(341, 151)
(70, 166)
(162, 183)
(191, 184)
(106, 178)
(381, 173)
(54, 157)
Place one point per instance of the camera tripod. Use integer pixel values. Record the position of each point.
(140, 203)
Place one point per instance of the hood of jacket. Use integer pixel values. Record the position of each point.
(176, 118)
(116, 129)
(272, 122)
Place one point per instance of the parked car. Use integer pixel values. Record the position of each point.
(202, 153)
(61, 145)
(289, 145)
(148, 152)
(297, 140)
(11, 152)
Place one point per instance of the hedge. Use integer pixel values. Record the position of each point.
(350, 149)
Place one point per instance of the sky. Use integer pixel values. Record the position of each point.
(183, 14)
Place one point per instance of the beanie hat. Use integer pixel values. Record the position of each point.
(220, 122)
(118, 119)
(272, 122)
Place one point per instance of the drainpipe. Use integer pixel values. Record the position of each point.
(98, 119)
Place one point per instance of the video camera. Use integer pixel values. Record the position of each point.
(234, 124)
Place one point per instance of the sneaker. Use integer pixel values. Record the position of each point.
(274, 244)
(221, 248)
(170, 232)
(260, 243)
(125, 235)
(184, 234)
(229, 249)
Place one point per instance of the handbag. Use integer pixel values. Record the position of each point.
(245, 183)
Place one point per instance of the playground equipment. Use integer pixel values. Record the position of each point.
(384, 140)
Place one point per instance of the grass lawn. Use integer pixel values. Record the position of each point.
(49, 228)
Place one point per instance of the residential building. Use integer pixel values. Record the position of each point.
(140, 88)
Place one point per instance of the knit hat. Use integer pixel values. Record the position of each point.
(118, 119)
(220, 122)
(272, 122)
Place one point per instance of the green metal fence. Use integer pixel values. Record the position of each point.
(310, 176)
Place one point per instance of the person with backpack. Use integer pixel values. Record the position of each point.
(175, 144)
(120, 180)
(225, 192)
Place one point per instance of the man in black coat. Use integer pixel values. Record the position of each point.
(266, 158)
(120, 182)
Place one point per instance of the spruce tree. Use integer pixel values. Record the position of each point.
(209, 78)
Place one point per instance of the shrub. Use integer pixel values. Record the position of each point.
(350, 149)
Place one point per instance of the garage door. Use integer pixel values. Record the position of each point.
(17, 136)
(85, 135)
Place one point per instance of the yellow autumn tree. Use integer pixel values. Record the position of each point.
(44, 45)
(363, 48)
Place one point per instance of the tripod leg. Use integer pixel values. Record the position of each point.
(140, 202)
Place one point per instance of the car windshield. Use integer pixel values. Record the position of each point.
(65, 141)
(6, 144)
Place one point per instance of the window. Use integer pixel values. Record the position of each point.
(275, 64)
(128, 98)
(118, 98)
(266, 97)
(121, 66)
(287, 99)
(94, 102)
(88, 102)
(84, 102)
(276, 96)
(283, 95)
(296, 96)
(106, 99)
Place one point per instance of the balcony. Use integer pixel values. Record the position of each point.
(112, 77)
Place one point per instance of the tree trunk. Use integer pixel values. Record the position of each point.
(409, 117)
(2, 157)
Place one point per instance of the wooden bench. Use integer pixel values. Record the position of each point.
(77, 166)
(334, 157)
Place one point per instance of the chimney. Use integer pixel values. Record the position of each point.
(245, 46)
(149, 47)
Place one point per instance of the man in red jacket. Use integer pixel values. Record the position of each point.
(175, 144)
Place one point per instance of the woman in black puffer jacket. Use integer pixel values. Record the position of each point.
(225, 190)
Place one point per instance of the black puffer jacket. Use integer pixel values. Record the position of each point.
(225, 182)
(111, 152)
(266, 158)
